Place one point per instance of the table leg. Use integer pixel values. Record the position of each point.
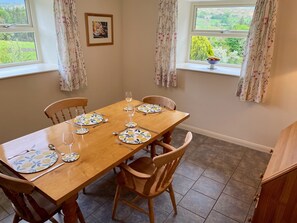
(70, 208)
(167, 137)
(153, 150)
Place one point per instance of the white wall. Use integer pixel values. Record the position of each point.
(210, 98)
(24, 98)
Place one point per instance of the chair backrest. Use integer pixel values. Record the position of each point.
(166, 165)
(160, 100)
(19, 193)
(64, 109)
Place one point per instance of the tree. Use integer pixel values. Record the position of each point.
(235, 44)
(200, 48)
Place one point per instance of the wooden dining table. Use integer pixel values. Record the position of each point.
(100, 151)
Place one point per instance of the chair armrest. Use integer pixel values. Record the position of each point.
(133, 172)
(165, 145)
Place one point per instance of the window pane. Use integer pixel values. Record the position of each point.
(17, 47)
(13, 12)
(229, 50)
(224, 18)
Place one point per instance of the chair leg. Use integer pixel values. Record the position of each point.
(115, 201)
(16, 218)
(151, 210)
(80, 216)
(172, 197)
(84, 190)
(115, 171)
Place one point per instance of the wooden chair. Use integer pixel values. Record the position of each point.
(28, 203)
(165, 103)
(160, 100)
(64, 109)
(149, 177)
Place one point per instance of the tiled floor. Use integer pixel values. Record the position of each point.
(215, 183)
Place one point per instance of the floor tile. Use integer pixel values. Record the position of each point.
(189, 170)
(3, 213)
(220, 174)
(232, 208)
(162, 202)
(182, 184)
(197, 203)
(208, 187)
(225, 160)
(250, 176)
(184, 216)
(203, 156)
(5, 203)
(255, 159)
(140, 217)
(251, 212)
(216, 217)
(104, 213)
(87, 205)
(7, 219)
(240, 191)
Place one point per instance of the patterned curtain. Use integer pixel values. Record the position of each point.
(165, 64)
(70, 56)
(258, 54)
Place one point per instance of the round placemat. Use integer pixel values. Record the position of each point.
(34, 161)
(149, 108)
(134, 136)
(88, 119)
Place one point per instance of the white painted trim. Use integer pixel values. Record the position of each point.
(204, 67)
(16, 71)
(226, 138)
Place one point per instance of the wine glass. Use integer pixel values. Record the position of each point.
(128, 97)
(80, 117)
(131, 113)
(68, 140)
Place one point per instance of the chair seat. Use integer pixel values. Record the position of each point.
(47, 205)
(143, 165)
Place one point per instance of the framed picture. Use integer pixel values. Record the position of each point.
(99, 29)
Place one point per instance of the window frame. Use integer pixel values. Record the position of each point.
(215, 33)
(30, 27)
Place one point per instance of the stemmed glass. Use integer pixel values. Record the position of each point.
(128, 97)
(80, 114)
(131, 113)
(68, 140)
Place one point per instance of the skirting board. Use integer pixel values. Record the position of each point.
(230, 139)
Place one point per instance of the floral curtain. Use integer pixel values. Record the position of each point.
(258, 54)
(165, 64)
(70, 56)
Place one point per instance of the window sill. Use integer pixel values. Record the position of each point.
(16, 71)
(229, 71)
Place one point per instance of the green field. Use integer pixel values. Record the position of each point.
(17, 51)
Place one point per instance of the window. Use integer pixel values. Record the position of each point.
(18, 44)
(219, 30)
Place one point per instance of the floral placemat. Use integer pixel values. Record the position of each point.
(34, 161)
(134, 136)
(149, 108)
(88, 119)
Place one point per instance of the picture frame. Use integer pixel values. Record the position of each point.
(99, 29)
